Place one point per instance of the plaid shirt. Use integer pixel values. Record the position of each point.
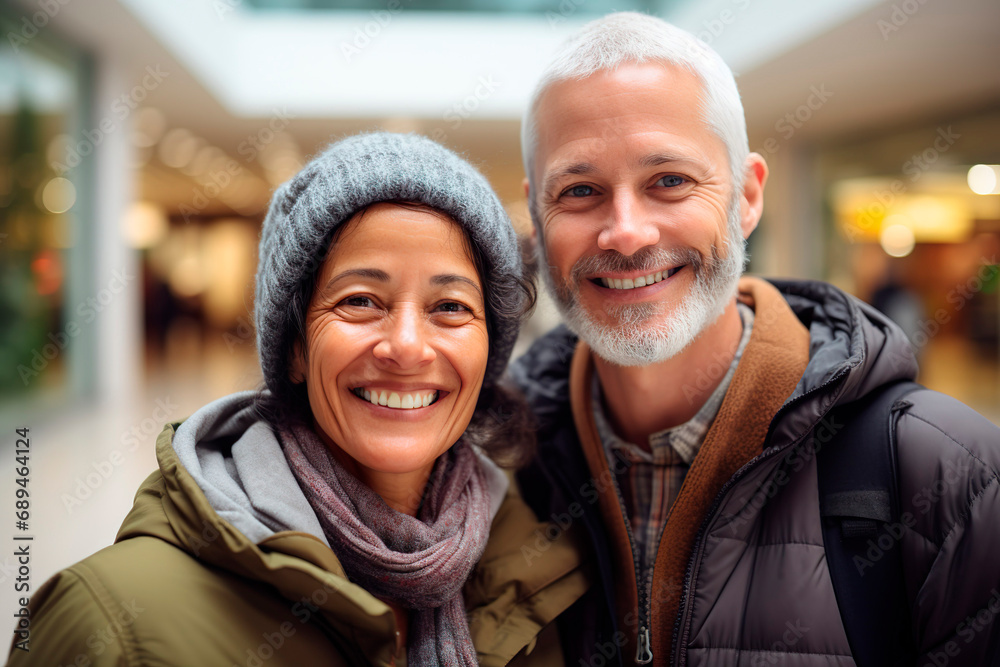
(649, 481)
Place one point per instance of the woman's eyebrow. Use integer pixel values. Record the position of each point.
(371, 274)
(447, 278)
(383, 277)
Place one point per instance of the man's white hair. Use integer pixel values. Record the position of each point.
(633, 38)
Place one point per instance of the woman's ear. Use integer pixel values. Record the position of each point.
(297, 366)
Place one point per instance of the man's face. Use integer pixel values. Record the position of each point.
(639, 222)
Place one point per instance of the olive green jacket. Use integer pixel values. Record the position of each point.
(182, 587)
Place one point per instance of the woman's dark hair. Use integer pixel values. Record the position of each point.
(502, 423)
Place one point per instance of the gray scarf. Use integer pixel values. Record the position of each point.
(420, 563)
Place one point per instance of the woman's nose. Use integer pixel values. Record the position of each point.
(405, 341)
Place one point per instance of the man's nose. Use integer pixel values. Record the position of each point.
(629, 227)
(405, 343)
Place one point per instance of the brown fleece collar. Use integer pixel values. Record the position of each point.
(772, 364)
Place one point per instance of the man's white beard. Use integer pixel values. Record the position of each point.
(639, 334)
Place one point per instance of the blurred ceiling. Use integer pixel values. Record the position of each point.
(464, 78)
(491, 6)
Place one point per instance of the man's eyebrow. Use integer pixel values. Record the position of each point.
(371, 274)
(575, 169)
(448, 278)
(656, 159)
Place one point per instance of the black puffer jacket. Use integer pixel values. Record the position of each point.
(758, 589)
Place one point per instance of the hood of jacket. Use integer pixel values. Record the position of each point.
(225, 494)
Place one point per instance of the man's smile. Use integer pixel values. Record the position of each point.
(637, 281)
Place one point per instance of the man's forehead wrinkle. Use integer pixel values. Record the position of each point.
(578, 122)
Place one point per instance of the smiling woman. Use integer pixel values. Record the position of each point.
(349, 513)
(396, 347)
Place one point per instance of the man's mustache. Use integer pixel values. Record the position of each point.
(645, 260)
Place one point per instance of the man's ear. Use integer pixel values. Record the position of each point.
(752, 201)
(533, 234)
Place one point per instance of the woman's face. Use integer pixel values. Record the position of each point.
(396, 339)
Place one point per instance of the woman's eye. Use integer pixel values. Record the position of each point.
(671, 181)
(358, 302)
(580, 191)
(452, 307)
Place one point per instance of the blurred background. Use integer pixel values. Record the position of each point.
(140, 142)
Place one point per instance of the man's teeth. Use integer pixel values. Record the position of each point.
(392, 399)
(641, 281)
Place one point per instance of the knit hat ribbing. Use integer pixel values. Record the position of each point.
(355, 173)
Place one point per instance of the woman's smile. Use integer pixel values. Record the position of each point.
(406, 400)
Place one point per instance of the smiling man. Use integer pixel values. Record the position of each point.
(683, 408)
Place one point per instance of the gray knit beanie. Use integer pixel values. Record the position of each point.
(348, 176)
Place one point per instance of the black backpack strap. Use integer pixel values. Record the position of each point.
(861, 530)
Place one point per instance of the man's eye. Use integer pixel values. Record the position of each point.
(671, 181)
(580, 191)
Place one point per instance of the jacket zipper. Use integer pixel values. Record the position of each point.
(644, 630)
(676, 641)
(556, 478)
(643, 651)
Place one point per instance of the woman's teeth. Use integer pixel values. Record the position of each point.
(392, 399)
(641, 281)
